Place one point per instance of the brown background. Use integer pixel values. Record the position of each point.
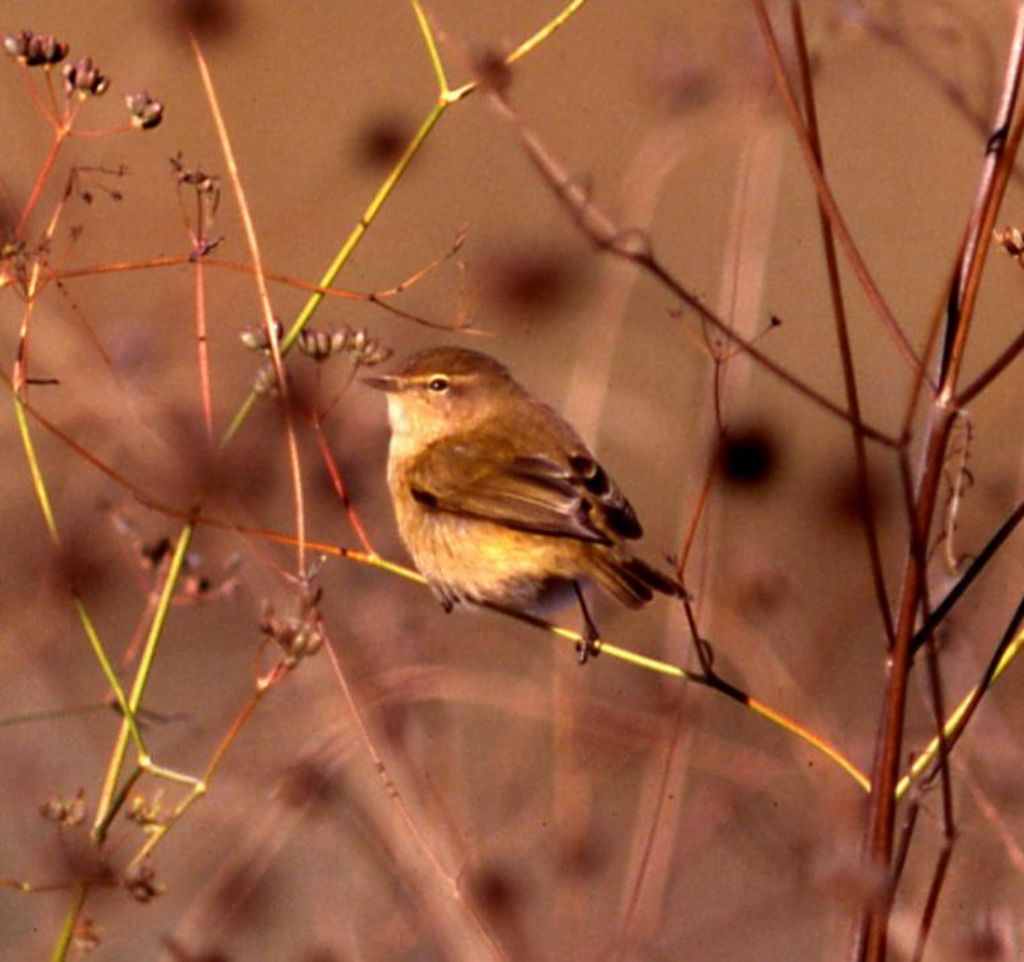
(602, 813)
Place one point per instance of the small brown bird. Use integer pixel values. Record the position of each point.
(497, 498)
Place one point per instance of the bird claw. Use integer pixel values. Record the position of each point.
(587, 648)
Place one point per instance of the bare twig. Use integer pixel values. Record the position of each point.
(871, 934)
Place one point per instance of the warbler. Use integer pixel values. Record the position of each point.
(497, 498)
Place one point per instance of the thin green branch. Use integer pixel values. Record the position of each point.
(432, 51)
(67, 929)
(446, 98)
(105, 807)
(38, 484)
(1006, 652)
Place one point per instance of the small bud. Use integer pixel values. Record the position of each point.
(35, 50)
(254, 336)
(68, 812)
(193, 177)
(141, 884)
(53, 51)
(145, 813)
(367, 350)
(265, 383)
(84, 77)
(146, 112)
(87, 937)
(320, 344)
(16, 45)
(1011, 239)
(298, 637)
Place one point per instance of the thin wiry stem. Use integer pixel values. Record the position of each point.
(634, 246)
(871, 933)
(864, 499)
(827, 201)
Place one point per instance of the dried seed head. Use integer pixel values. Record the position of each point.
(146, 112)
(193, 177)
(1011, 239)
(84, 78)
(366, 350)
(298, 638)
(35, 49)
(255, 336)
(87, 937)
(141, 884)
(322, 343)
(144, 812)
(68, 812)
(319, 344)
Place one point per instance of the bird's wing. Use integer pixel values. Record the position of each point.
(566, 495)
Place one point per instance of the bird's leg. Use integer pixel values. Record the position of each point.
(444, 597)
(591, 643)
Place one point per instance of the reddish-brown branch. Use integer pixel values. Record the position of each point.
(865, 502)
(872, 931)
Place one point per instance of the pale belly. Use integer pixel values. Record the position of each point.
(466, 559)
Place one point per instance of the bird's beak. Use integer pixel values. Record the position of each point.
(384, 382)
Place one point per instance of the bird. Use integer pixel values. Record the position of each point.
(498, 499)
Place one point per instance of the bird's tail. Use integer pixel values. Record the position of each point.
(630, 580)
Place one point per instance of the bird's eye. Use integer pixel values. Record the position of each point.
(438, 384)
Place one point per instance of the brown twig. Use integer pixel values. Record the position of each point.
(826, 199)
(871, 934)
(864, 500)
(634, 246)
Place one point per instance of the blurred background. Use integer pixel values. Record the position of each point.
(535, 810)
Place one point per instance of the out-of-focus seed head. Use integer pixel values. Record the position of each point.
(84, 78)
(141, 884)
(146, 112)
(35, 49)
(68, 812)
(265, 383)
(256, 338)
(367, 350)
(322, 343)
(319, 344)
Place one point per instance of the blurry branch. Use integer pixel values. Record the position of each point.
(634, 245)
(377, 298)
(29, 284)
(871, 936)
(953, 727)
(269, 321)
(464, 934)
(826, 200)
(106, 808)
(864, 499)
(939, 76)
(207, 198)
(708, 679)
(978, 564)
(1007, 649)
(1006, 357)
(446, 97)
